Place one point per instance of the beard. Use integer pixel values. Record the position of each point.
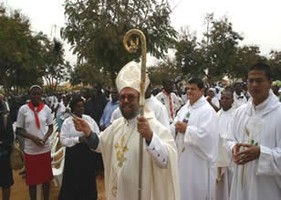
(129, 111)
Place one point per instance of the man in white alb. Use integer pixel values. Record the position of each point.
(224, 171)
(255, 141)
(195, 130)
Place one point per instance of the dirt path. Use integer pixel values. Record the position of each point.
(19, 190)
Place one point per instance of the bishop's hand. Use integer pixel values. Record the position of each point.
(81, 125)
(144, 128)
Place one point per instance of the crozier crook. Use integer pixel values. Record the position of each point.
(131, 44)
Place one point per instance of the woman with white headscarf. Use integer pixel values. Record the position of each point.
(213, 99)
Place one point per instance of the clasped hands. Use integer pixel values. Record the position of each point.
(38, 141)
(248, 153)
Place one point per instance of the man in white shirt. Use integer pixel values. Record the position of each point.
(195, 129)
(238, 95)
(255, 141)
(224, 173)
(169, 99)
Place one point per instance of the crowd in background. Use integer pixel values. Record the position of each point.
(206, 163)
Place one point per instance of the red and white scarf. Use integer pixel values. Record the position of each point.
(36, 111)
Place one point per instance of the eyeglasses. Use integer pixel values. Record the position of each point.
(129, 97)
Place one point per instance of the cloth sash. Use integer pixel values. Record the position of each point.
(170, 103)
(36, 111)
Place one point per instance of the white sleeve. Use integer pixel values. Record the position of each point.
(65, 135)
(158, 151)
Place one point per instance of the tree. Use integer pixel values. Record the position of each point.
(55, 69)
(26, 57)
(275, 63)
(86, 74)
(246, 56)
(18, 51)
(220, 45)
(95, 29)
(164, 69)
(213, 57)
(188, 54)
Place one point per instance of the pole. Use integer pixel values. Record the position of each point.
(132, 46)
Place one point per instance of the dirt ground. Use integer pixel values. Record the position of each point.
(19, 190)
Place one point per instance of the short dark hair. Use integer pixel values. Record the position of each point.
(197, 81)
(74, 101)
(227, 91)
(262, 67)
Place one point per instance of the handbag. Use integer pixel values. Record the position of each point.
(17, 162)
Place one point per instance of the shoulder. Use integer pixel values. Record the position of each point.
(174, 95)
(155, 124)
(24, 108)
(183, 108)
(206, 109)
(112, 130)
(278, 108)
(159, 95)
(47, 108)
(68, 120)
(89, 119)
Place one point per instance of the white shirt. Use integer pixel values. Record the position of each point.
(176, 103)
(224, 119)
(238, 100)
(26, 120)
(159, 110)
(69, 136)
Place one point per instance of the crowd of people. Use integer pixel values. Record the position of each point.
(215, 143)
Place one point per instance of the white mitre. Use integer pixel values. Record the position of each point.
(130, 76)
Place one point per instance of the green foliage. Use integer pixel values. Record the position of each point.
(165, 69)
(218, 54)
(188, 55)
(17, 53)
(95, 29)
(26, 57)
(246, 56)
(55, 69)
(87, 75)
(221, 48)
(275, 63)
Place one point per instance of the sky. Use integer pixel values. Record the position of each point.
(258, 21)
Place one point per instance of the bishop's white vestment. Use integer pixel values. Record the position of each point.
(119, 145)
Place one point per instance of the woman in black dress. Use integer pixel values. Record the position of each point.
(79, 180)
